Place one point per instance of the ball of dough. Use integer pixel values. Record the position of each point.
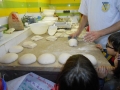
(27, 59)
(91, 58)
(9, 58)
(72, 42)
(15, 49)
(46, 58)
(63, 58)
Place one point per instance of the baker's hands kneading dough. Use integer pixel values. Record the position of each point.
(91, 36)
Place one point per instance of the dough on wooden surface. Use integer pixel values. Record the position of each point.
(72, 42)
(63, 58)
(91, 58)
(9, 58)
(27, 59)
(29, 44)
(36, 38)
(16, 49)
(46, 58)
(51, 38)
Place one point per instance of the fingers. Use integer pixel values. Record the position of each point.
(89, 37)
(102, 71)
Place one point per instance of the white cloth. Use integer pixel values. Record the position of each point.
(99, 19)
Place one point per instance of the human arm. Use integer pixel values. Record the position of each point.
(94, 35)
(82, 24)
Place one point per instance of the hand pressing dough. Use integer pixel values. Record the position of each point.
(9, 58)
(91, 58)
(72, 42)
(29, 44)
(16, 49)
(27, 59)
(51, 38)
(46, 58)
(63, 58)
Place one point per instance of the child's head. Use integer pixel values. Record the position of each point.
(78, 74)
(113, 44)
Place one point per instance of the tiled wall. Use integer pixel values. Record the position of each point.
(72, 5)
(20, 6)
(32, 6)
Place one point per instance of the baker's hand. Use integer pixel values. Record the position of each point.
(91, 36)
(75, 34)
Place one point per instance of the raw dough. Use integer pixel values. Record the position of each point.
(46, 58)
(9, 58)
(27, 59)
(69, 32)
(91, 58)
(29, 44)
(58, 35)
(36, 38)
(72, 42)
(16, 49)
(51, 38)
(60, 30)
(63, 58)
(52, 30)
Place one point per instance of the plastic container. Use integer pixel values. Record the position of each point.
(38, 28)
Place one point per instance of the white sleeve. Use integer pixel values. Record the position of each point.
(83, 7)
(118, 5)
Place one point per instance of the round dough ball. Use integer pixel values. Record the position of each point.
(63, 58)
(9, 58)
(91, 58)
(46, 58)
(15, 49)
(72, 42)
(27, 59)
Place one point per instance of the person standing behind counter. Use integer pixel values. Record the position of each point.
(103, 17)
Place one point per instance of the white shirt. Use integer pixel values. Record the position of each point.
(101, 14)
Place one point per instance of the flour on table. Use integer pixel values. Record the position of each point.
(27, 59)
(51, 38)
(46, 58)
(16, 49)
(63, 58)
(9, 58)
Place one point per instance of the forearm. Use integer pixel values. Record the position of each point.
(82, 24)
(113, 28)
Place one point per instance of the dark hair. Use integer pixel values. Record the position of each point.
(114, 39)
(78, 74)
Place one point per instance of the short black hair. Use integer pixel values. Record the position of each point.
(78, 73)
(114, 40)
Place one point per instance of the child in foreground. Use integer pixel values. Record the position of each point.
(78, 73)
(113, 50)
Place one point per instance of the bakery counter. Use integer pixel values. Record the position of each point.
(55, 47)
